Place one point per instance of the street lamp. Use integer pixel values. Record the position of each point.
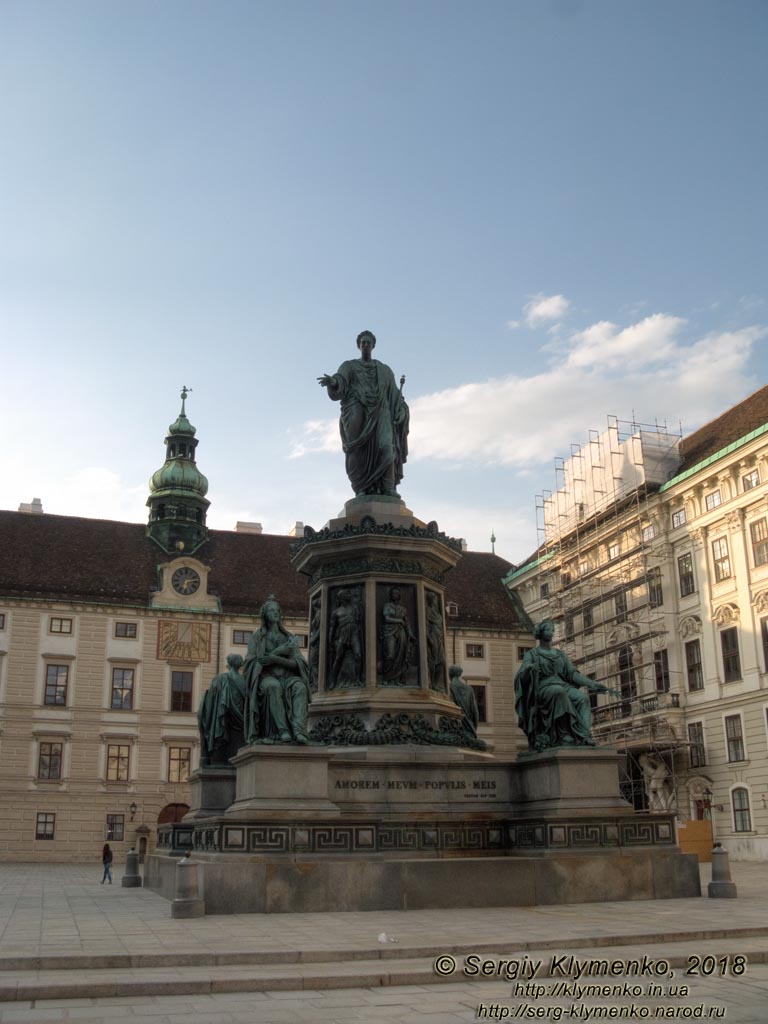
(133, 808)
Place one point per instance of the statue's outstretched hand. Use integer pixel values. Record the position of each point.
(325, 380)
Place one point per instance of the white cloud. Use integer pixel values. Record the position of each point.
(652, 340)
(545, 307)
(512, 325)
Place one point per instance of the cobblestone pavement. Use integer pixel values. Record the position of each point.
(62, 910)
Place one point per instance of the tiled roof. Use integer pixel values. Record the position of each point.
(734, 423)
(72, 559)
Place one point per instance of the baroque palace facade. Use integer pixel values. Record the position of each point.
(110, 633)
(653, 564)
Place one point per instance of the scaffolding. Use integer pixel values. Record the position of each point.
(600, 582)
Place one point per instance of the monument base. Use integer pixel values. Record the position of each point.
(406, 827)
(262, 885)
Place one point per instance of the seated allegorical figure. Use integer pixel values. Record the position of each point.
(220, 715)
(278, 683)
(551, 708)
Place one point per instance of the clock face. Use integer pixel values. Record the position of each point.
(185, 581)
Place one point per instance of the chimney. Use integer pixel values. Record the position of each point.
(35, 506)
(247, 527)
(297, 530)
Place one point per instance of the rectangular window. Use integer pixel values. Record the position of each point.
(301, 639)
(181, 691)
(588, 620)
(696, 750)
(583, 568)
(479, 692)
(475, 650)
(721, 559)
(750, 480)
(115, 828)
(613, 549)
(56, 680)
(118, 761)
(649, 532)
(122, 689)
(2, 620)
(661, 670)
(713, 500)
(742, 821)
(49, 761)
(729, 642)
(543, 591)
(620, 606)
(764, 637)
(126, 630)
(655, 592)
(60, 626)
(693, 665)
(179, 762)
(685, 574)
(45, 826)
(759, 531)
(734, 738)
(570, 625)
(565, 579)
(522, 651)
(678, 518)
(241, 636)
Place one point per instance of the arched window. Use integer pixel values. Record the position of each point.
(172, 451)
(182, 451)
(742, 819)
(161, 511)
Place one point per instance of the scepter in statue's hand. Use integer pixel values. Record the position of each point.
(402, 381)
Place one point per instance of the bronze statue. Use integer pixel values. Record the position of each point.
(463, 695)
(345, 639)
(277, 677)
(435, 642)
(220, 715)
(374, 420)
(396, 640)
(551, 709)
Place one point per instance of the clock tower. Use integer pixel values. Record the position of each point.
(177, 502)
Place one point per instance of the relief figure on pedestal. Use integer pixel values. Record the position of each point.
(551, 708)
(345, 642)
(277, 677)
(220, 715)
(374, 420)
(435, 642)
(463, 695)
(396, 638)
(313, 653)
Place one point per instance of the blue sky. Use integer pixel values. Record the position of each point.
(546, 211)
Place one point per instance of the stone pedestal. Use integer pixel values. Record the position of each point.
(212, 790)
(569, 781)
(373, 556)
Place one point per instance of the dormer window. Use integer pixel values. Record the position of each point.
(452, 609)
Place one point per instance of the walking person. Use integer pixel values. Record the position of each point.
(106, 860)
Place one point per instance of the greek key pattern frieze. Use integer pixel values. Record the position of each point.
(452, 837)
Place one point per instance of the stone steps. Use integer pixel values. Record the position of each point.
(76, 977)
